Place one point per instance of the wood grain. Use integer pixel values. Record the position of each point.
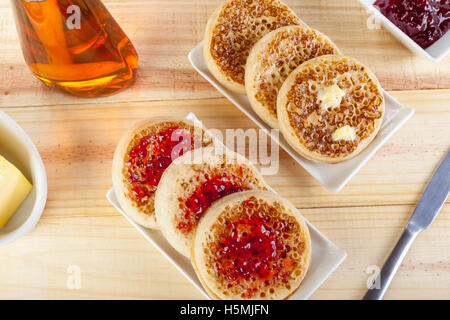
(77, 137)
(79, 227)
(165, 31)
(77, 143)
(116, 262)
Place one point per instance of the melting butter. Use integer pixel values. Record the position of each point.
(330, 97)
(346, 133)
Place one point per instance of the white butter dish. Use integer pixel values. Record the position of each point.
(17, 148)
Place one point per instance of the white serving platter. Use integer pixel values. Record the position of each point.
(326, 256)
(332, 176)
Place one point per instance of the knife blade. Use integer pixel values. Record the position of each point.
(427, 208)
(433, 197)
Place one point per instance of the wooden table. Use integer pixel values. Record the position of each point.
(77, 137)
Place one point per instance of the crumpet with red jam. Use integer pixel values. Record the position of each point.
(192, 183)
(251, 245)
(231, 32)
(142, 156)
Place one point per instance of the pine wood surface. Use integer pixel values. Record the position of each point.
(77, 137)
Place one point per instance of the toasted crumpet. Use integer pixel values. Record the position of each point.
(273, 58)
(330, 108)
(194, 181)
(141, 157)
(251, 245)
(233, 29)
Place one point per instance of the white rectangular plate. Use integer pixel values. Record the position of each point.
(326, 257)
(332, 176)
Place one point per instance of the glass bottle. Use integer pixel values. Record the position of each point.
(75, 45)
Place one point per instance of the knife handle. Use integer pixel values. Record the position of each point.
(391, 265)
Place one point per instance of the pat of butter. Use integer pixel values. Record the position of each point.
(330, 97)
(346, 133)
(14, 188)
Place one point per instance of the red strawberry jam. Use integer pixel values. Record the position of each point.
(424, 21)
(151, 156)
(253, 249)
(213, 189)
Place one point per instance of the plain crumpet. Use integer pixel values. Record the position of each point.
(233, 29)
(273, 58)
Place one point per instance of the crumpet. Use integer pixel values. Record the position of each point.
(233, 29)
(273, 58)
(142, 156)
(194, 181)
(251, 245)
(330, 108)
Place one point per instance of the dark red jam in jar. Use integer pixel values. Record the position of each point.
(252, 250)
(213, 189)
(150, 158)
(424, 21)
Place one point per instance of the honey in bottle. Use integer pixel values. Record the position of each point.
(75, 45)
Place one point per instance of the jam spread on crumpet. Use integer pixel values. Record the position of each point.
(424, 21)
(212, 189)
(253, 251)
(151, 156)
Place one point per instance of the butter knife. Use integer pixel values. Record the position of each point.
(426, 211)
